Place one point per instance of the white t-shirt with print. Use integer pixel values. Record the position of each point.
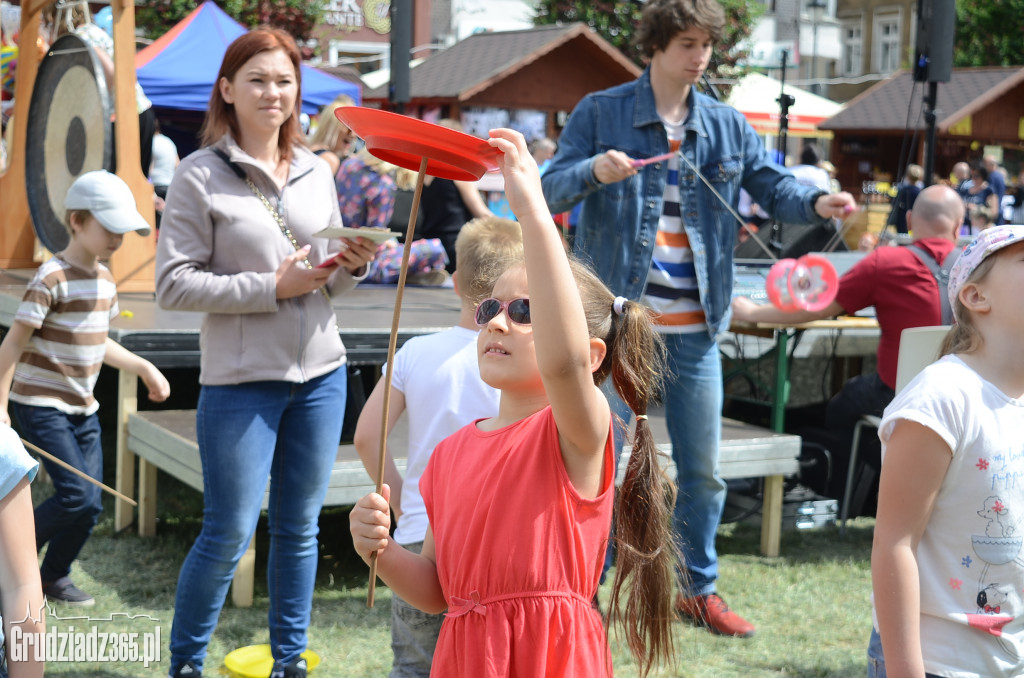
(970, 558)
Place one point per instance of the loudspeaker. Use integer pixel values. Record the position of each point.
(936, 29)
(401, 45)
(797, 240)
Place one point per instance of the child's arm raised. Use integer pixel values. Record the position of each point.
(916, 461)
(412, 576)
(566, 354)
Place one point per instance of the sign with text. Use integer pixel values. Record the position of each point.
(769, 54)
(351, 15)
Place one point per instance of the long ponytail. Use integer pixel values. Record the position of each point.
(648, 556)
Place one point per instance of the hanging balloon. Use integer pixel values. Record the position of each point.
(105, 20)
(813, 282)
(777, 285)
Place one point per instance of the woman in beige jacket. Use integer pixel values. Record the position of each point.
(237, 244)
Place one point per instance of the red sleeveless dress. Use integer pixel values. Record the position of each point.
(519, 554)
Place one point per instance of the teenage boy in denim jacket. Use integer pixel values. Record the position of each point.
(663, 233)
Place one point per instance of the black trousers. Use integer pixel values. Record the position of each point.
(866, 394)
(147, 128)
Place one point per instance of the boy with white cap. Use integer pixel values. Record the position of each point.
(50, 360)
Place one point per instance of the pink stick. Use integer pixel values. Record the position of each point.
(648, 161)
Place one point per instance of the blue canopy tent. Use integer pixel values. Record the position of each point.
(179, 69)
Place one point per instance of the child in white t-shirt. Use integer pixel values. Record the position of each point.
(947, 565)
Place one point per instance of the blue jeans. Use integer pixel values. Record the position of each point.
(248, 432)
(876, 662)
(65, 520)
(693, 413)
(864, 394)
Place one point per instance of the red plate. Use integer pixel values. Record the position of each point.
(403, 141)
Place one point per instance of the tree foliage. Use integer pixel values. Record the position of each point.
(989, 33)
(616, 22)
(297, 17)
(740, 18)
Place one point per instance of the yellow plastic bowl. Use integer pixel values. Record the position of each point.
(256, 661)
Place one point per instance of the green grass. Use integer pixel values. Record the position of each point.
(810, 605)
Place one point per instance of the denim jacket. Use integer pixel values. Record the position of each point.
(618, 223)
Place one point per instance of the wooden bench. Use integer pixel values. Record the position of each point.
(166, 440)
(747, 451)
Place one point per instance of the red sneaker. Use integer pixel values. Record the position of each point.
(711, 612)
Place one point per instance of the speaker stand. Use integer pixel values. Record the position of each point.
(930, 100)
(785, 101)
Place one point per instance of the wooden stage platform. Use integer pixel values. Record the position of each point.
(171, 338)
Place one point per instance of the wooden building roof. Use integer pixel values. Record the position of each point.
(343, 72)
(895, 104)
(543, 68)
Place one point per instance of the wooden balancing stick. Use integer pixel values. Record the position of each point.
(392, 343)
(61, 462)
(403, 141)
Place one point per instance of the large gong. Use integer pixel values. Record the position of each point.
(69, 133)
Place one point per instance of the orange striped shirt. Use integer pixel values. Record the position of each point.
(672, 291)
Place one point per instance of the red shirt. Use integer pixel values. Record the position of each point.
(902, 290)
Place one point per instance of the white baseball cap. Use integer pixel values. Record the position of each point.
(109, 199)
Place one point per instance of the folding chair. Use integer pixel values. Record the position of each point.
(919, 347)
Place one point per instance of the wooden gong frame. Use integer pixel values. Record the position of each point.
(133, 264)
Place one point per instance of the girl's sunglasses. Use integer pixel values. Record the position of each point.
(518, 311)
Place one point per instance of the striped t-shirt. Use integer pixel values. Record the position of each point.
(70, 311)
(672, 291)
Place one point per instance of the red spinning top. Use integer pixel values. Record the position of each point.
(404, 141)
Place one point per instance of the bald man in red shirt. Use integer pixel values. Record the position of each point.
(904, 293)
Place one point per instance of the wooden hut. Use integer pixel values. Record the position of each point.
(546, 69)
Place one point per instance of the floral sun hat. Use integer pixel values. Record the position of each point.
(987, 242)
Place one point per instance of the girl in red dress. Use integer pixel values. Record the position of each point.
(520, 505)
